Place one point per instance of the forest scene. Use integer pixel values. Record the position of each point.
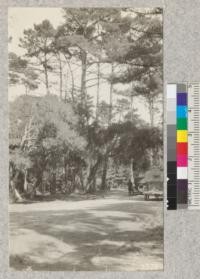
(86, 139)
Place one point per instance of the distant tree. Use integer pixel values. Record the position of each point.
(38, 45)
(134, 145)
(150, 88)
(141, 56)
(21, 73)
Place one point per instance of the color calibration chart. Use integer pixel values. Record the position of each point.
(183, 146)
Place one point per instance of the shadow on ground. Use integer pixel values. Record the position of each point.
(120, 236)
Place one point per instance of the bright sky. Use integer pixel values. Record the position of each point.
(24, 18)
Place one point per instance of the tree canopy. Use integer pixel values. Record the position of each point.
(70, 137)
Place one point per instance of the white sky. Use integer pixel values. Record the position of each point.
(24, 18)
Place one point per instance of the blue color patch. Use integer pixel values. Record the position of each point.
(182, 99)
(181, 111)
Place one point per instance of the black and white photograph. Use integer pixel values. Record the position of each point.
(85, 91)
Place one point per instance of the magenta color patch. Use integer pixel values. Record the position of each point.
(182, 160)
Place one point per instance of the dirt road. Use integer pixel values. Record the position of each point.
(114, 233)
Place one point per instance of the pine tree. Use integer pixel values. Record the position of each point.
(21, 73)
(38, 45)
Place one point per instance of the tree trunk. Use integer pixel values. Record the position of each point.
(131, 103)
(25, 181)
(98, 87)
(46, 81)
(61, 76)
(39, 182)
(82, 179)
(111, 95)
(26, 90)
(104, 173)
(15, 195)
(132, 174)
(53, 183)
(91, 181)
(151, 113)
(72, 79)
(46, 75)
(65, 171)
(83, 79)
(91, 185)
(66, 87)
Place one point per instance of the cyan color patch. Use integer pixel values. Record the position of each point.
(181, 111)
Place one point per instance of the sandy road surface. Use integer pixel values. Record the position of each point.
(114, 233)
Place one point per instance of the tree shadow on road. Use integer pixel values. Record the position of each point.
(85, 240)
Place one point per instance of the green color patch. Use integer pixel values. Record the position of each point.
(181, 124)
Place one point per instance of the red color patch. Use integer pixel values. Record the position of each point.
(182, 148)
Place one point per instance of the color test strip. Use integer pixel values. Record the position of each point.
(182, 145)
(171, 147)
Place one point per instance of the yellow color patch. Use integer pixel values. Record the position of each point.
(182, 136)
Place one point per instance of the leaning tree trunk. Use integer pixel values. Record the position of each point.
(104, 172)
(39, 182)
(14, 194)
